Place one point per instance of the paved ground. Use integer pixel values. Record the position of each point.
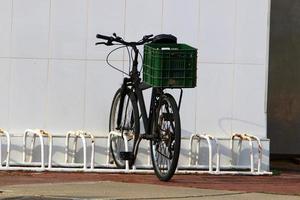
(25, 185)
(120, 191)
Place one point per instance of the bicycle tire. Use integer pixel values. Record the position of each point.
(170, 140)
(114, 148)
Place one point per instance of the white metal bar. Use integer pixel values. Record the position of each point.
(210, 162)
(232, 147)
(34, 133)
(67, 142)
(191, 147)
(42, 150)
(218, 155)
(198, 152)
(50, 151)
(4, 133)
(24, 147)
(8, 148)
(251, 155)
(92, 138)
(83, 135)
(7, 155)
(126, 149)
(0, 152)
(260, 149)
(138, 171)
(93, 152)
(31, 148)
(248, 137)
(49, 137)
(208, 138)
(74, 150)
(117, 133)
(108, 149)
(84, 150)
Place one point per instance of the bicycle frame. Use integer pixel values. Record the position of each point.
(164, 142)
(137, 86)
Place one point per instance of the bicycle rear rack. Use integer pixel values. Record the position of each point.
(3, 133)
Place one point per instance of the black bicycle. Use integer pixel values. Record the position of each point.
(161, 124)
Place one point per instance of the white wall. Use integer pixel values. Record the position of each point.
(53, 77)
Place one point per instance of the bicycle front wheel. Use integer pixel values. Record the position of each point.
(165, 147)
(129, 127)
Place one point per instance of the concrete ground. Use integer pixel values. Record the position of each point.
(120, 191)
(65, 186)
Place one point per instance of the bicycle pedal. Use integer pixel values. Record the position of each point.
(126, 155)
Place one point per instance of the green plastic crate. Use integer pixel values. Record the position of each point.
(170, 65)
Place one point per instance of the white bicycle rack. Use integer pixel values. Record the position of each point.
(41, 134)
(83, 135)
(67, 164)
(209, 140)
(250, 139)
(115, 133)
(241, 138)
(5, 134)
(125, 138)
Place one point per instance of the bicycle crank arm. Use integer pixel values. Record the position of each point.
(146, 136)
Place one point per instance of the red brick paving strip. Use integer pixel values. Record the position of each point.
(286, 183)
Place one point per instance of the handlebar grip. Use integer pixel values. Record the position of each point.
(103, 37)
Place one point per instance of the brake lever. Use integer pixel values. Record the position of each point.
(108, 43)
(98, 43)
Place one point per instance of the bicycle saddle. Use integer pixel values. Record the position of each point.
(165, 38)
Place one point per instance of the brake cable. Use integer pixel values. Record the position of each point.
(107, 60)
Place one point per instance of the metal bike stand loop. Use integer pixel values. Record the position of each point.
(119, 134)
(209, 140)
(83, 135)
(41, 134)
(4, 133)
(134, 167)
(68, 166)
(250, 139)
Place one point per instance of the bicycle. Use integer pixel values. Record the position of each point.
(162, 125)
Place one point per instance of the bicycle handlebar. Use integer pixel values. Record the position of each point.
(115, 38)
(99, 36)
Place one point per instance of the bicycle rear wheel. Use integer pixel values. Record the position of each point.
(165, 148)
(129, 127)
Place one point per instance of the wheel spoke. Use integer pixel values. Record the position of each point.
(167, 126)
(129, 125)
